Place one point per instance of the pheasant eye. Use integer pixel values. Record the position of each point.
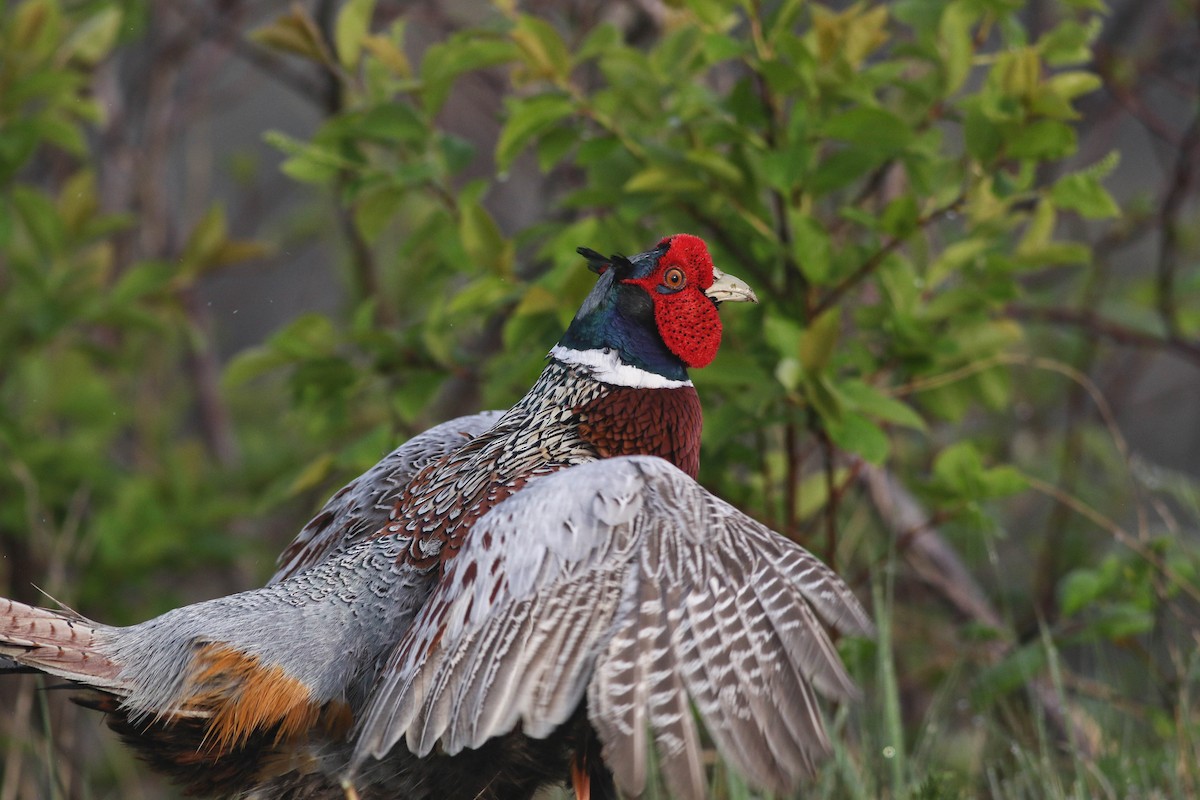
(674, 278)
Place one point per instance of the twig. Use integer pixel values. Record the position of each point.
(875, 259)
(1177, 192)
(791, 480)
(1117, 532)
(1098, 326)
(832, 496)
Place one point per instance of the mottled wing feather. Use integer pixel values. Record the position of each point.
(363, 506)
(625, 581)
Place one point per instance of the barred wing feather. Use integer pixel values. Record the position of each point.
(362, 506)
(625, 581)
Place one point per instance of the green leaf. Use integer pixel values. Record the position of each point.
(1043, 139)
(842, 168)
(813, 494)
(855, 433)
(662, 180)
(204, 241)
(252, 362)
(715, 165)
(1039, 230)
(789, 373)
(954, 258)
(782, 333)
(18, 141)
(959, 467)
(1070, 42)
(874, 130)
(542, 49)
(93, 40)
(308, 336)
(820, 394)
(984, 137)
(77, 202)
(537, 300)
(901, 216)
(374, 208)
(457, 152)
(601, 39)
(295, 32)
(811, 248)
(483, 241)
(1081, 192)
(819, 339)
(785, 167)
(529, 118)
(554, 145)
(868, 400)
(1069, 85)
(350, 29)
(1013, 673)
(1003, 481)
(394, 121)
(389, 53)
(309, 163)
(40, 219)
(1079, 588)
(1121, 621)
(140, 280)
(956, 45)
(314, 474)
(35, 27)
(720, 47)
(461, 53)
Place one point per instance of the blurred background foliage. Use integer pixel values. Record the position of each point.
(245, 249)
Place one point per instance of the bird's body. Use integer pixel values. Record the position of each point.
(507, 601)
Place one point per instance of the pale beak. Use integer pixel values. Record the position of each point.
(728, 289)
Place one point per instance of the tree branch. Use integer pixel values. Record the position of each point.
(875, 259)
(1095, 325)
(1177, 192)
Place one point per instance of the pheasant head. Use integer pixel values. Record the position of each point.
(656, 311)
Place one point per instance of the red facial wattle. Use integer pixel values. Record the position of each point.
(687, 319)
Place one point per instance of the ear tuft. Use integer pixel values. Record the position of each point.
(599, 264)
(596, 262)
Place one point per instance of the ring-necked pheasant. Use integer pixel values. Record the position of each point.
(506, 601)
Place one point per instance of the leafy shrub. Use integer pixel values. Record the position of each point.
(896, 181)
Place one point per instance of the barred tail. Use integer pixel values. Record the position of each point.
(59, 643)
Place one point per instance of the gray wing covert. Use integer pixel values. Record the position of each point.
(362, 506)
(626, 581)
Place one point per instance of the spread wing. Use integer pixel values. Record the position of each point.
(362, 506)
(626, 581)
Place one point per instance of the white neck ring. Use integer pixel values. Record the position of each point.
(606, 366)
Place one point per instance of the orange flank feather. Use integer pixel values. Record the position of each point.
(245, 697)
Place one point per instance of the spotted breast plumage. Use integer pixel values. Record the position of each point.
(507, 601)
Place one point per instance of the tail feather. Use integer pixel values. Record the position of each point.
(59, 643)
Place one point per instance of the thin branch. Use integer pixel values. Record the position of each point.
(791, 481)
(1133, 104)
(229, 34)
(747, 264)
(873, 261)
(1177, 192)
(832, 496)
(1095, 325)
(1143, 550)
